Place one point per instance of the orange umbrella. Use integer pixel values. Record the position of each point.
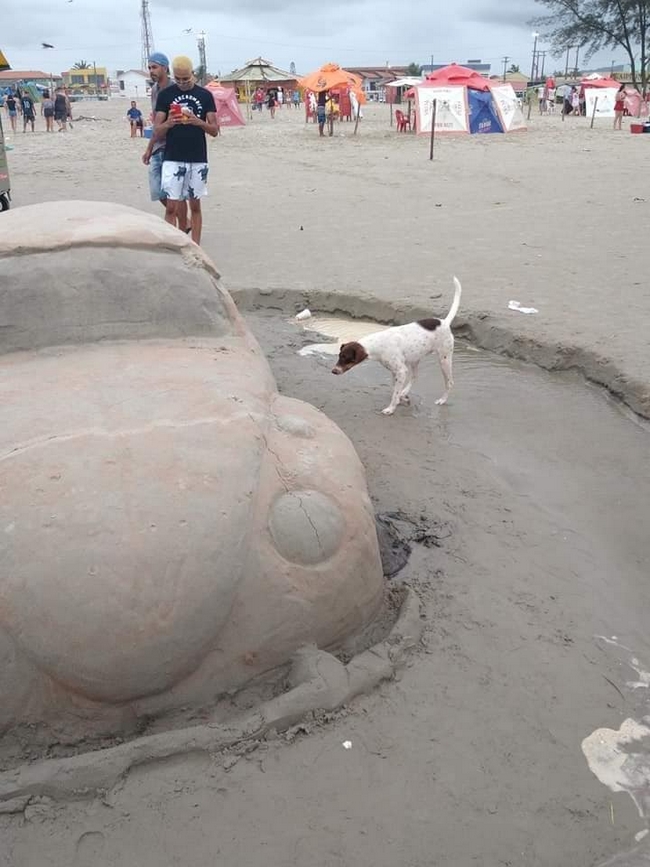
(329, 77)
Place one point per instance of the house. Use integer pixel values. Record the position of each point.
(14, 77)
(132, 83)
(375, 78)
(518, 80)
(92, 79)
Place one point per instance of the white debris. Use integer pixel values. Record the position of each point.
(515, 305)
(347, 745)
(304, 314)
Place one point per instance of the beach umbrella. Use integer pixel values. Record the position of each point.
(330, 77)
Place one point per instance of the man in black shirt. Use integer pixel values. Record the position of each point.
(185, 112)
(29, 111)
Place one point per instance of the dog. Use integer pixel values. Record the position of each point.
(400, 349)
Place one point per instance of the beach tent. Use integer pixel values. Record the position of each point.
(604, 91)
(4, 63)
(466, 103)
(228, 111)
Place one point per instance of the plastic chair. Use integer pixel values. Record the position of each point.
(402, 121)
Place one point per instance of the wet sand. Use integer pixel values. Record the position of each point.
(474, 755)
(536, 486)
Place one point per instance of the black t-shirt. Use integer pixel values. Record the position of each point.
(28, 105)
(186, 143)
(11, 103)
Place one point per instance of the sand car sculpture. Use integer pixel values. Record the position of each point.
(170, 525)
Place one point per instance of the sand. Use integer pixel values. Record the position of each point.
(527, 494)
(555, 218)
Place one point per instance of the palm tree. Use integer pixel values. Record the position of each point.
(82, 64)
(514, 68)
(414, 69)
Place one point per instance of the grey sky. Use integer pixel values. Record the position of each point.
(309, 33)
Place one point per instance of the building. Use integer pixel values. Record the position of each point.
(131, 83)
(518, 80)
(477, 65)
(14, 77)
(375, 78)
(86, 80)
(258, 73)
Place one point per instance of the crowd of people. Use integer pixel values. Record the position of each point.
(54, 109)
(275, 97)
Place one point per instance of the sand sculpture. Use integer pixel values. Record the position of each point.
(170, 526)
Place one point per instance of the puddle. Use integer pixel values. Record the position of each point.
(575, 466)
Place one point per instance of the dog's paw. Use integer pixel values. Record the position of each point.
(388, 411)
(441, 401)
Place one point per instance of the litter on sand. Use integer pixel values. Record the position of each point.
(347, 745)
(515, 305)
(304, 314)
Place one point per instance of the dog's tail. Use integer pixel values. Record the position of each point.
(455, 304)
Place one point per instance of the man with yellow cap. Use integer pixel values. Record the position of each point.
(185, 112)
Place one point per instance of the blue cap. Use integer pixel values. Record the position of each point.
(159, 58)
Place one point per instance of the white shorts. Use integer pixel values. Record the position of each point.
(181, 181)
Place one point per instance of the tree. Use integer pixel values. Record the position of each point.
(599, 24)
(414, 69)
(514, 68)
(82, 64)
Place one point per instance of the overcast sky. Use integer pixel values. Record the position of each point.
(306, 32)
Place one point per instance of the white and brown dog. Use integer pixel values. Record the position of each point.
(402, 348)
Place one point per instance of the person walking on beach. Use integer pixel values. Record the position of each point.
(272, 101)
(185, 112)
(619, 107)
(47, 110)
(62, 109)
(12, 110)
(575, 101)
(29, 111)
(135, 119)
(155, 152)
(321, 112)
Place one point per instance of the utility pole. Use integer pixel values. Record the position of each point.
(505, 62)
(203, 66)
(543, 56)
(147, 34)
(533, 67)
(577, 56)
(566, 67)
(432, 63)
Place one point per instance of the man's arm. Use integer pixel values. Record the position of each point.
(210, 125)
(162, 124)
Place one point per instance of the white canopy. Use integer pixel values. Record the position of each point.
(409, 81)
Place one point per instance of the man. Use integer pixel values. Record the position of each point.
(12, 110)
(62, 109)
(321, 113)
(153, 156)
(29, 111)
(185, 112)
(135, 119)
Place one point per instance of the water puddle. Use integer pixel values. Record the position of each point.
(567, 449)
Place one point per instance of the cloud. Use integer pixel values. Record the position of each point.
(307, 32)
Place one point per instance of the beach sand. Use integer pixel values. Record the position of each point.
(527, 493)
(556, 218)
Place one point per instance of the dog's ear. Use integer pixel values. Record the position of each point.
(341, 346)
